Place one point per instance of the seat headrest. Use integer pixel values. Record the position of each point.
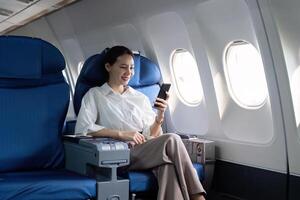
(146, 73)
(28, 58)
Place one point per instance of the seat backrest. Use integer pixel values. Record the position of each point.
(146, 77)
(34, 99)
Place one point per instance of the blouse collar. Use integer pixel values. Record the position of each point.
(106, 89)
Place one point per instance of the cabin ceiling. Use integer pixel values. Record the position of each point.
(16, 13)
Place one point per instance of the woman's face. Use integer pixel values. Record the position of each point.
(122, 70)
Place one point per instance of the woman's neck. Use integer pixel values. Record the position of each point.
(117, 88)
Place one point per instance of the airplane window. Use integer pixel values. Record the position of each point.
(186, 75)
(245, 75)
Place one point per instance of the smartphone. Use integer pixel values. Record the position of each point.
(163, 89)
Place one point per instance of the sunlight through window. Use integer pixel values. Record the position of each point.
(245, 74)
(186, 75)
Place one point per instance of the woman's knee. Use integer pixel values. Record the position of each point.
(173, 143)
(172, 136)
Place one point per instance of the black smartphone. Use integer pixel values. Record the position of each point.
(163, 89)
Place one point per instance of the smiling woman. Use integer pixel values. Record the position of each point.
(118, 111)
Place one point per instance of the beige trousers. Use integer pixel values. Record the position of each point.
(167, 156)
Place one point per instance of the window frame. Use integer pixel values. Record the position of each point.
(179, 93)
(232, 94)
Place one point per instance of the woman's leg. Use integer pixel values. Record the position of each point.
(168, 149)
(169, 188)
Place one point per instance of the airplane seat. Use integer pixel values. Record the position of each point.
(34, 102)
(91, 75)
(146, 80)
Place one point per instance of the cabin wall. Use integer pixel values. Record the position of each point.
(204, 28)
(286, 15)
(286, 19)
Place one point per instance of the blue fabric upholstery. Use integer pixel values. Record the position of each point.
(150, 91)
(69, 127)
(146, 72)
(142, 181)
(46, 184)
(91, 75)
(34, 58)
(145, 181)
(34, 101)
(146, 79)
(31, 127)
(31, 111)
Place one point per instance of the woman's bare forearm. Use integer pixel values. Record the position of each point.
(155, 129)
(115, 134)
(120, 135)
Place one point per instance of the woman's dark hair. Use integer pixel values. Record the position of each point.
(113, 53)
(111, 57)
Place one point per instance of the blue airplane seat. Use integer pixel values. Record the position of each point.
(34, 101)
(146, 79)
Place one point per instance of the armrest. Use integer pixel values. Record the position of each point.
(99, 158)
(75, 138)
(84, 152)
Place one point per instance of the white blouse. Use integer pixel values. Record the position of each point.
(102, 108)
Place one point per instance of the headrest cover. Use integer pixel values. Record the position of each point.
(146, 72)
(28, 58)
(93, 71)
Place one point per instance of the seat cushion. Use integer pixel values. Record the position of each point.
(145, 181)
(142, 181)
(46, 184)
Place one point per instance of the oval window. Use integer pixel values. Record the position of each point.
(245, 75)
(186, 75)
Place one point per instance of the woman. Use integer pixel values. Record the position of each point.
(118, 111)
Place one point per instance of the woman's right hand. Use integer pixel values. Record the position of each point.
(135, 136)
